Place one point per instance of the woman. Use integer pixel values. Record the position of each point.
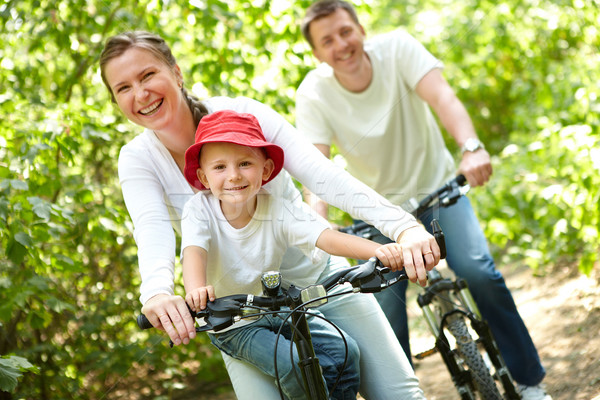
(146, 83)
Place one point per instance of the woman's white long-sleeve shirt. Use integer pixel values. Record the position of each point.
(155, 192)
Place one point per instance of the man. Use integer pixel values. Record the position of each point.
(373, 99)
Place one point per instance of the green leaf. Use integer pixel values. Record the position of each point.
(59, 306)
(23, 239)
(64, 262)
(41, 208)
(21, 363)
(39, 321)
(18, 184)
(11, 369)
(5, 282)
(8, 376)
(15, 251)
(85, 196)
(3, 209)
(39, 282)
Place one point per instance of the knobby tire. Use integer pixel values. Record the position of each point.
(469, 352)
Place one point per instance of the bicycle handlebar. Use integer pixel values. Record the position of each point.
(447, 195)
(225, 311)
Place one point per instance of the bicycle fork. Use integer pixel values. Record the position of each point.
(308, 362)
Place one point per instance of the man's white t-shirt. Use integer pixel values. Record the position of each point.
(387, 133)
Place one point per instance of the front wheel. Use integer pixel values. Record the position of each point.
(467, 348)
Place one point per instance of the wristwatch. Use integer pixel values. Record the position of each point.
(471, 145)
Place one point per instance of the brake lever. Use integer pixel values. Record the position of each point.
(455, 190)
(369, 278)
(216, 315)
(360, 272)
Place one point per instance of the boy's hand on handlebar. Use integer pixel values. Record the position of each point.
(390, 256)
(420, 253)
(170, 314)
(197, 298)
(476, 167)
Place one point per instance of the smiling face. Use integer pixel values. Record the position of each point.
(234, 174)
(338, 41)
(147, 90)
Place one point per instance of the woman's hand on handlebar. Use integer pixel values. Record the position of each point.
(170, 314)
(420, 253)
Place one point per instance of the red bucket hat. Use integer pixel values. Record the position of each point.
(229, 127)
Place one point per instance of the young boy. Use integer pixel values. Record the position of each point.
(237, 230)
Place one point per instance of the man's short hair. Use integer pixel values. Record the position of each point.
(323, 8)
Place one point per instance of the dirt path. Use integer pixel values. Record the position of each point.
(562, 312)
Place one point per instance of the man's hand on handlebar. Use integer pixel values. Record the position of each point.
(420, 253)
(170, 314)
(476, 167)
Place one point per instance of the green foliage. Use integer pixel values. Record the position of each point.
(528, 72)
(548, 212)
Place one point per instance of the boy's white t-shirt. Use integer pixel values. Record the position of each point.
(237, 258)
(387, 133)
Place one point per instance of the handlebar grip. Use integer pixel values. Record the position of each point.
(143, 322)
(439, 237)
(461, 180)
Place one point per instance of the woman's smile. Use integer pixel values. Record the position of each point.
(152, 108)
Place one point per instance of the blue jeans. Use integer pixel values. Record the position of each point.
(469, 257)
(255, 344)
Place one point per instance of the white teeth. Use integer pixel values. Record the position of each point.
(345, 56)
(151, 108)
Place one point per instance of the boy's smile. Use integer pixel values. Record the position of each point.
(234, 174)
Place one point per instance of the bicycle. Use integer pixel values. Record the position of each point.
(227, 310)
(448, 306)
